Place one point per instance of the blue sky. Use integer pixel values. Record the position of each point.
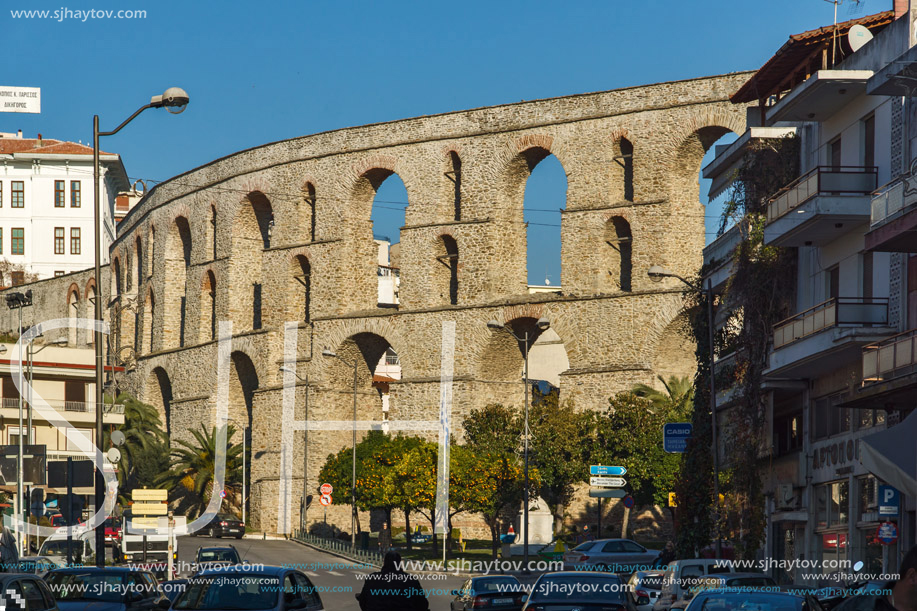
(260, 72)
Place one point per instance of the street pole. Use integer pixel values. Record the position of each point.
(525, 454)
(716, 449)
(21, 449)
(172, 98)
(97, 334)
(305, 462)
(353, 481)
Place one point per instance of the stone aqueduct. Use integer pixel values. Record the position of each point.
(282, 232)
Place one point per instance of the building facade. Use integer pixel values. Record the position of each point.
(46, 214)
(851, 294)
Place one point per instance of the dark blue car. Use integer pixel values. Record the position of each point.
(249, 588)
(106, 589)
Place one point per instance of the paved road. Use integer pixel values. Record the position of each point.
(338, 579)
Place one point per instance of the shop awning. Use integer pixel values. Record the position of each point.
(891, 455)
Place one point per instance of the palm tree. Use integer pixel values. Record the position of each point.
(678, 397)
(192, 472)
(144, 443)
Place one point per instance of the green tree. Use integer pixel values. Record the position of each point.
(145, 451)
(191, 476)
(677, 399)
(557, 450)
(411, 485)
(490, 484)
(630, 434)
(493, 428)
(377, 455)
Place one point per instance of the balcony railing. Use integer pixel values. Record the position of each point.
(859, 311)
(822, 180)
(890, 358)
(67, 406)
(886, 202)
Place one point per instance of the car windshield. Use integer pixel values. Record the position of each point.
(59, 547)
(106, 587)
(226, 518)
(582, 547)
(230, 592)
(578, 587)
(750, 601)
(219, 555)
(652, 582)
(496, 584)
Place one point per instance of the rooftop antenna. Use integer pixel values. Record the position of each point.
(856, 7)
(834, 35)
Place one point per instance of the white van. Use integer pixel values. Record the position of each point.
(682, 574)
(82, 547)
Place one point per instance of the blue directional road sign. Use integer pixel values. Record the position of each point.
(889, 500)
(606, 470)
(675, 436)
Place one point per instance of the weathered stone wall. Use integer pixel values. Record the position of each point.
(262, 225)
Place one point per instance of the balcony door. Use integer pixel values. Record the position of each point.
(74, 395)
(834, 153)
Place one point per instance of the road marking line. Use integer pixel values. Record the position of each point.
(335, 573)
(311, 573)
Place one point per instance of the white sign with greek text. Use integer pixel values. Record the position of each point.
(20, 99)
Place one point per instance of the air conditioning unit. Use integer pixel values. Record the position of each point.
(785, 496)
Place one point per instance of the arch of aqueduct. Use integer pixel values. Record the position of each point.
(282, 232)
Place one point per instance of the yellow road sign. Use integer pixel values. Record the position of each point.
(144, 494)
(672, 500)
(150, 509)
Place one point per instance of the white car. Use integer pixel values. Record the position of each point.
(611, 556)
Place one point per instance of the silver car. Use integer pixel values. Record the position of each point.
(645, 588)
(610, 555)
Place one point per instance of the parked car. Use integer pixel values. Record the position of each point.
(832, 596)
(682, 574)
(645, 588)
(503, 592)
(33, 591)
(112, 530)
(108, 589)
(215, 557)
(37, 565)
(173, 588)
(224, 525)
(247, 588)
(583, 590)
(612, 555)
(724, 582)
(759, 601)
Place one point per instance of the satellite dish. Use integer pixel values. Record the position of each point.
(858, 36)
(117, 437)
(114, 455)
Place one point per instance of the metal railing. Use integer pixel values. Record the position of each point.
(857, 311)
(889, 201)
(340, 547)
(890, 358)
(845, 180)
(67, 406)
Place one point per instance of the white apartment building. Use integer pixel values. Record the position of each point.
(840, 378)
(46, 215)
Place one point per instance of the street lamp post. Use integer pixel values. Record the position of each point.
(542, 324)
(18, 301)
(656, 274)
(174, 100)
(305, 450)
(353, 481)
